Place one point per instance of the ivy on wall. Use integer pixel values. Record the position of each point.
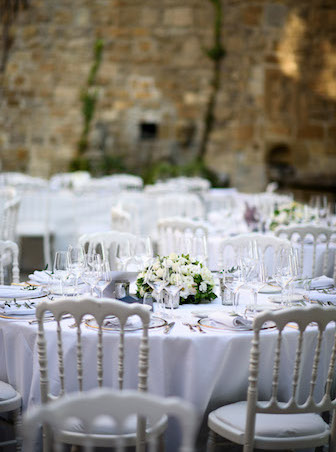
(216, 54)
(89, 97)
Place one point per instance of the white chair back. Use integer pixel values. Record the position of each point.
(99, 310)
(180, 204)
(106, 243)
(117, 407)
(9, 218)
(33, 220)
(120, 220)
(320, 372)
(313, 236)
(268, 246)
(181, 235)
(9, 256)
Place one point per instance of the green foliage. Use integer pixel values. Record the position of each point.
(107, 164)
(89, 97)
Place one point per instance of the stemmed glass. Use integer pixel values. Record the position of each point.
(175, 284)
(124, 254)
(253, 272)
(91, 272)
(143, 252)
(61, 268)
(232, 278)
(157, 283)
(285, 270)
(104, 276)
(76, 263)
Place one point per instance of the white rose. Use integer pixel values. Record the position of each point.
(203, 287)
(169, 263)
(175, 266)
(159, 272)
(173, 256)
(193, 290)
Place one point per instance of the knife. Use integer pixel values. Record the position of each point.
(168, 327)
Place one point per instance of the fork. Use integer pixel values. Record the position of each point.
(190, 326)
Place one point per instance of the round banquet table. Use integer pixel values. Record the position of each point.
(206, 369)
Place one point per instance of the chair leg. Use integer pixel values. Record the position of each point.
(211, 443)
(18, 427)
(162, 446)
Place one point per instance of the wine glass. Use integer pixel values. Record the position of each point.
(143, 252)
(104, 276)
(175, 284)
(76, 263)
(61, 268)
(232, 278)
(285, 270)
(156, 278)
(91, 273)
(124, 254)
(253, 272)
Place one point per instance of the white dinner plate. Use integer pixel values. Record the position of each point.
(270, 288)
(295, 298)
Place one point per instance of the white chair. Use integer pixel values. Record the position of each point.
(120, 220)
(181, 205)
(99, 310)
(181, 235)
(9, 219)
(116, 407)
(9, 255)
(296, 422)
(106, 243)
(267, 244)
(312, 236)
(10, 402)
(34, 221)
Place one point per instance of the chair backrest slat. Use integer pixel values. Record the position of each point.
(297, 365)
(9, 256)
(316, 232)
(79, 357)
(100, 356)
(60, 356)
(275, 380)
(116, 407)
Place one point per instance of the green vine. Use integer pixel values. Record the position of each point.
(216, 53)
(89, 97)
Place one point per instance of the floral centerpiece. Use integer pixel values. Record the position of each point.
(293, 212)
(197, 279)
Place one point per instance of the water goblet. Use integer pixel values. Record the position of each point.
(156, 278)
(61, 268)
(174, 286)
(76, 263)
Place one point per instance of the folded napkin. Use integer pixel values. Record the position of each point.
(323, 297)
(18, 308)
(321, 282)
(20, 291)
(225, 319)
(133, 321)
(43, 277)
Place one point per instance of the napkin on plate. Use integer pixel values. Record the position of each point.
(19, 308)
(43, 277)
(133, 321)
(321, 282)
(20, 291)
(225, 319)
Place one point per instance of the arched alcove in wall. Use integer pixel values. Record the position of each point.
(279, 163)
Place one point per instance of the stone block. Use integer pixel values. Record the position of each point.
(275, 14)
(251, 15)
(310, 132)
(178, 17)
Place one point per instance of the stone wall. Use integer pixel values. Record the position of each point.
(275, 111)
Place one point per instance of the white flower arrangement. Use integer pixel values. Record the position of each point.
(293, 212)
(197, 280)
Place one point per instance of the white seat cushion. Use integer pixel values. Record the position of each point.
(271, 425)
(7, 391)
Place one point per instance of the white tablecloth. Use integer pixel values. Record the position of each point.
(205, 369)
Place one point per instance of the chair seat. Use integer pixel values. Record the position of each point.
(269, 428)
(104, 428)
(9, 398)
(7, 391)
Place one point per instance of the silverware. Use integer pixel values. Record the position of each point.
(168, 328)
(191, 328)
(200, 329)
